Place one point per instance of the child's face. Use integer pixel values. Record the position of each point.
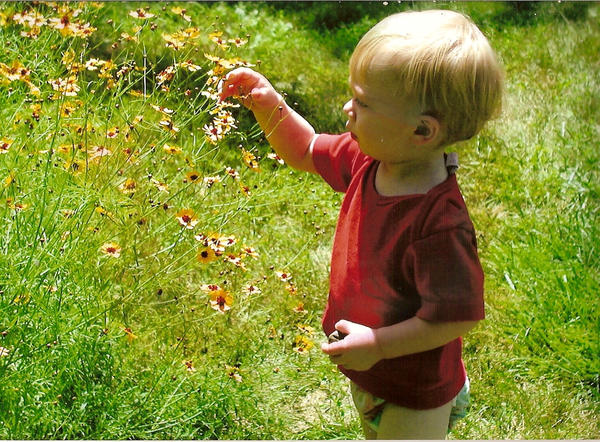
(382, 124)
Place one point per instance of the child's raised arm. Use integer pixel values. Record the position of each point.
(287, 132)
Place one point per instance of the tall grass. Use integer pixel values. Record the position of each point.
(99, 347)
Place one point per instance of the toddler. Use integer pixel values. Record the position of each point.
(406, 282)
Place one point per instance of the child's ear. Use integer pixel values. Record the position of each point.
(427, 130)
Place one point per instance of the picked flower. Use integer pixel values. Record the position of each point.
(187, 218)
(111, 249)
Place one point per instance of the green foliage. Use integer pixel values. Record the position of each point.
(96, 347)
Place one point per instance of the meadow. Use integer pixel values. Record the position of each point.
(163, 274)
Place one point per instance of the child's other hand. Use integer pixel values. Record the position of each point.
(358, 351)
(254, 90)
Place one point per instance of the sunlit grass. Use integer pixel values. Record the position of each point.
(107, 331)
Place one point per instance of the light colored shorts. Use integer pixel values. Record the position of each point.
(371, 407)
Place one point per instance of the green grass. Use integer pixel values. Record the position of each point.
(530, 181)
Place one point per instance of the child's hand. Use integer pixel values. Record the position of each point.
(359, 350)
(253, 89)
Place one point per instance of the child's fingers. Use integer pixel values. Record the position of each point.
(337, 360)
(333, 349)
(344, 326)
(228, 88)
(238, 82)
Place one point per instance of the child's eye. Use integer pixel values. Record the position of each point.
(359, 103)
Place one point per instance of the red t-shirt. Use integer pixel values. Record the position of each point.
(394, 258)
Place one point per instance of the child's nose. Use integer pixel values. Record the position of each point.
(348, 109)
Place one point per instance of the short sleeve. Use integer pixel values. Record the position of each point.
(336, 159)
(447, 275)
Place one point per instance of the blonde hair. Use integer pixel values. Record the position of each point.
(440, 61)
